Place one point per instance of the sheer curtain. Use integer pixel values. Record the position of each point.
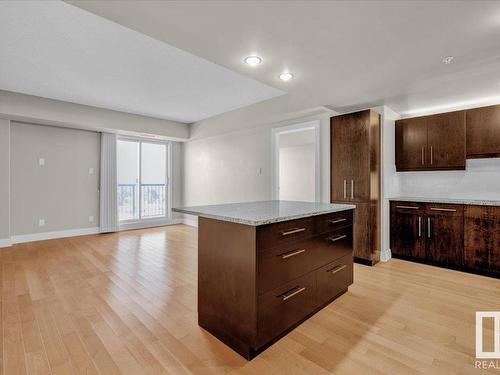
(108, 187)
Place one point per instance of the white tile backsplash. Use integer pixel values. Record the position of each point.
(480, 180)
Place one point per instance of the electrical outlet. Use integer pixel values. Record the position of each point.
(41, 222)
(91, 219)
(91, 170)
(41, 162)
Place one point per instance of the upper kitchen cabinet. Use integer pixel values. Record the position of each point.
(435, 142)
(411, 144)
(446, 140)
(483, 132)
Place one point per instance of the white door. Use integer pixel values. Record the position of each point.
(297, 165)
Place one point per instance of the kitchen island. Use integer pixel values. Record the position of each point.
(265, 267)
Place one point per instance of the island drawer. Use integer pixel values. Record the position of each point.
(332, 246)
(285, 306)
(280, 264)
(333, 221)
(277, 234)
(333, 279)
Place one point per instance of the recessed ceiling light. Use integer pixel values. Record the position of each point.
(286, 76)
(252, 60)
(448, 59)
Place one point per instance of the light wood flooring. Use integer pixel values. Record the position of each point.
(126, 303)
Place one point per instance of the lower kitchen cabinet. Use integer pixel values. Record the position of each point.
(445, 234)
(482, 238)
(408, 229)
(466, 237)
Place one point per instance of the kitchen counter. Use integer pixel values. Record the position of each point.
(265, 267)
(477, 202)
(263, 212)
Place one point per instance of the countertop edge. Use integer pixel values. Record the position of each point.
(262, 222)
(471, 202)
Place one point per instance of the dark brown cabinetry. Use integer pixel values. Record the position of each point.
(466, 237)
(482, 238)
(445, 234)
(408, 229)
(355, 177)
(435, 142)
(483, 132)
(256, 283)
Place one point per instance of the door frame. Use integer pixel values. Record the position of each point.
(275, 169)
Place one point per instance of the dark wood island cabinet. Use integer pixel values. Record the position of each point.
(260, 278)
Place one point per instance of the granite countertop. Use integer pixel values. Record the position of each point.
(264, 212)
(479, 202)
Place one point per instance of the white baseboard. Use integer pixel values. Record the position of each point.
(149, 224)
(5, 242)
(51, 235)
(385, 255)
(190, 222)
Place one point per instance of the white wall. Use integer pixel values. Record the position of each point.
(390, 179)
(236, 166)
(4, 182)
(62, 192)
(296, 173)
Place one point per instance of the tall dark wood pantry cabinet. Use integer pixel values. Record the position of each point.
(355, 177)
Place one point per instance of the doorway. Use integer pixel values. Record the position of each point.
(296, 162)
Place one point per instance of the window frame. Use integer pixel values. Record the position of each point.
(130, 223)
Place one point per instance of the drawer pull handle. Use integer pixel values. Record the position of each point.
(292, 253)
(331, 239)
(337, 269)
(408, 207)
(296, 230)
(337, 221)
(291, 293)
(443, 209)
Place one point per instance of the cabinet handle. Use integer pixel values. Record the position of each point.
(428, 227)
(408, 207)
(337, 269)
(423, 155)
(419, 226)
(336, 221)
(352, 189)
(345, 189)
(331, 239)
(293, 231)
(292, 253)
(291, 293)
(443, 209)
(431, 155)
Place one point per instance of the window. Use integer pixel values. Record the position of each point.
(142, 180)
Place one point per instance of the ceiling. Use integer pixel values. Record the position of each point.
(55, 50)
(345, 55)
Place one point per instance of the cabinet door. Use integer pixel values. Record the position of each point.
(411, 144)
(483, 132)
(478, 226)
(446, 140)
(341, 163)
(494, 262)
(408, 229)
(359, 184)
(445, 233)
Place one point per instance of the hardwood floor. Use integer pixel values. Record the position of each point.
(126, 303)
